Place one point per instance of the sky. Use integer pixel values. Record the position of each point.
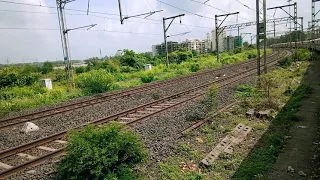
(31, 33)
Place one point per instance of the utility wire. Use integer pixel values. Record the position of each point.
(105, 17)
(149, 5)
(199, 15)
(97, 30)
(54, 7)
(217, 9)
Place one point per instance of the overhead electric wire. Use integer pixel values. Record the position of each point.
(54, 7)
(199, 15)
(94, 30)
(217, 9)
(105, 17)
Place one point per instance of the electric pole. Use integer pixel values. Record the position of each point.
(100, 53)
(290, 24)
(65, 45)
(313, 24)
(265, 37)
(165, 29)
(64, 37)
(219, 31)
(258, 36)
(294, 18)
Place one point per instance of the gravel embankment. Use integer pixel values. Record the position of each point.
(12, 137)
(159, 133)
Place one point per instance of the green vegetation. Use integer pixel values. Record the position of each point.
(96, 81)
(20, 84)
(300, 55)
(109, 152)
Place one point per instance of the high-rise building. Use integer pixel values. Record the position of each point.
(220, 39)
(229, 43)
(159, 49)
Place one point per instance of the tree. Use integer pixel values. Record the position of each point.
(246, 44)
(47, 67)
(109, 152)
(130, 58)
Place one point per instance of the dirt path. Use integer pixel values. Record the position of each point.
(302, 147)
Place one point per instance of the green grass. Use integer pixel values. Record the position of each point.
(265, 154)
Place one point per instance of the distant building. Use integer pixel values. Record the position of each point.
(220, 40)
(229, 43)
(159, 50)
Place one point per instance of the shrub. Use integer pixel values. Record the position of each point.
(285, 62)
(80, 70)
(47, 67)
(96, 81)
(244, 91)
(194, 68)
(109, 152)
(13, 76)
(147, 78)
(302, 55)
(126, 69)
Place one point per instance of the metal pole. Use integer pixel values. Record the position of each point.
(290, 38)
(274, 29)
(64, 39)
(265, 37)
(217, 38)
(258, 38)
(296, 26)
(239, 38)
(301, 34)
(313, 18)
(120, 10)
(165, 41)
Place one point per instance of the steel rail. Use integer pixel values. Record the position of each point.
(108, 97)
(61, 151)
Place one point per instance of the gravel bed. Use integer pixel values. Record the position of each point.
(44, 171)
(12, 137)
(68, 102)
(36, 152)
(14, 160)
(159, 133)
(55, 145)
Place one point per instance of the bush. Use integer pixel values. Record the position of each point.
(14, 76)
(244, 91)
(47, 67)
(147, 78)
(80, 70)
(109, 152)
(194, 68)
(126, 69)
(285, 62)
(302, 55)
(96, 81)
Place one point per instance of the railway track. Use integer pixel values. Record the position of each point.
(113, 96)
(54, 145)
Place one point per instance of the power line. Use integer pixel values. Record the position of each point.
(246, 6)
(199, 15)
(54, 7)
(105, 17)
(216, 8)
(93, 30)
